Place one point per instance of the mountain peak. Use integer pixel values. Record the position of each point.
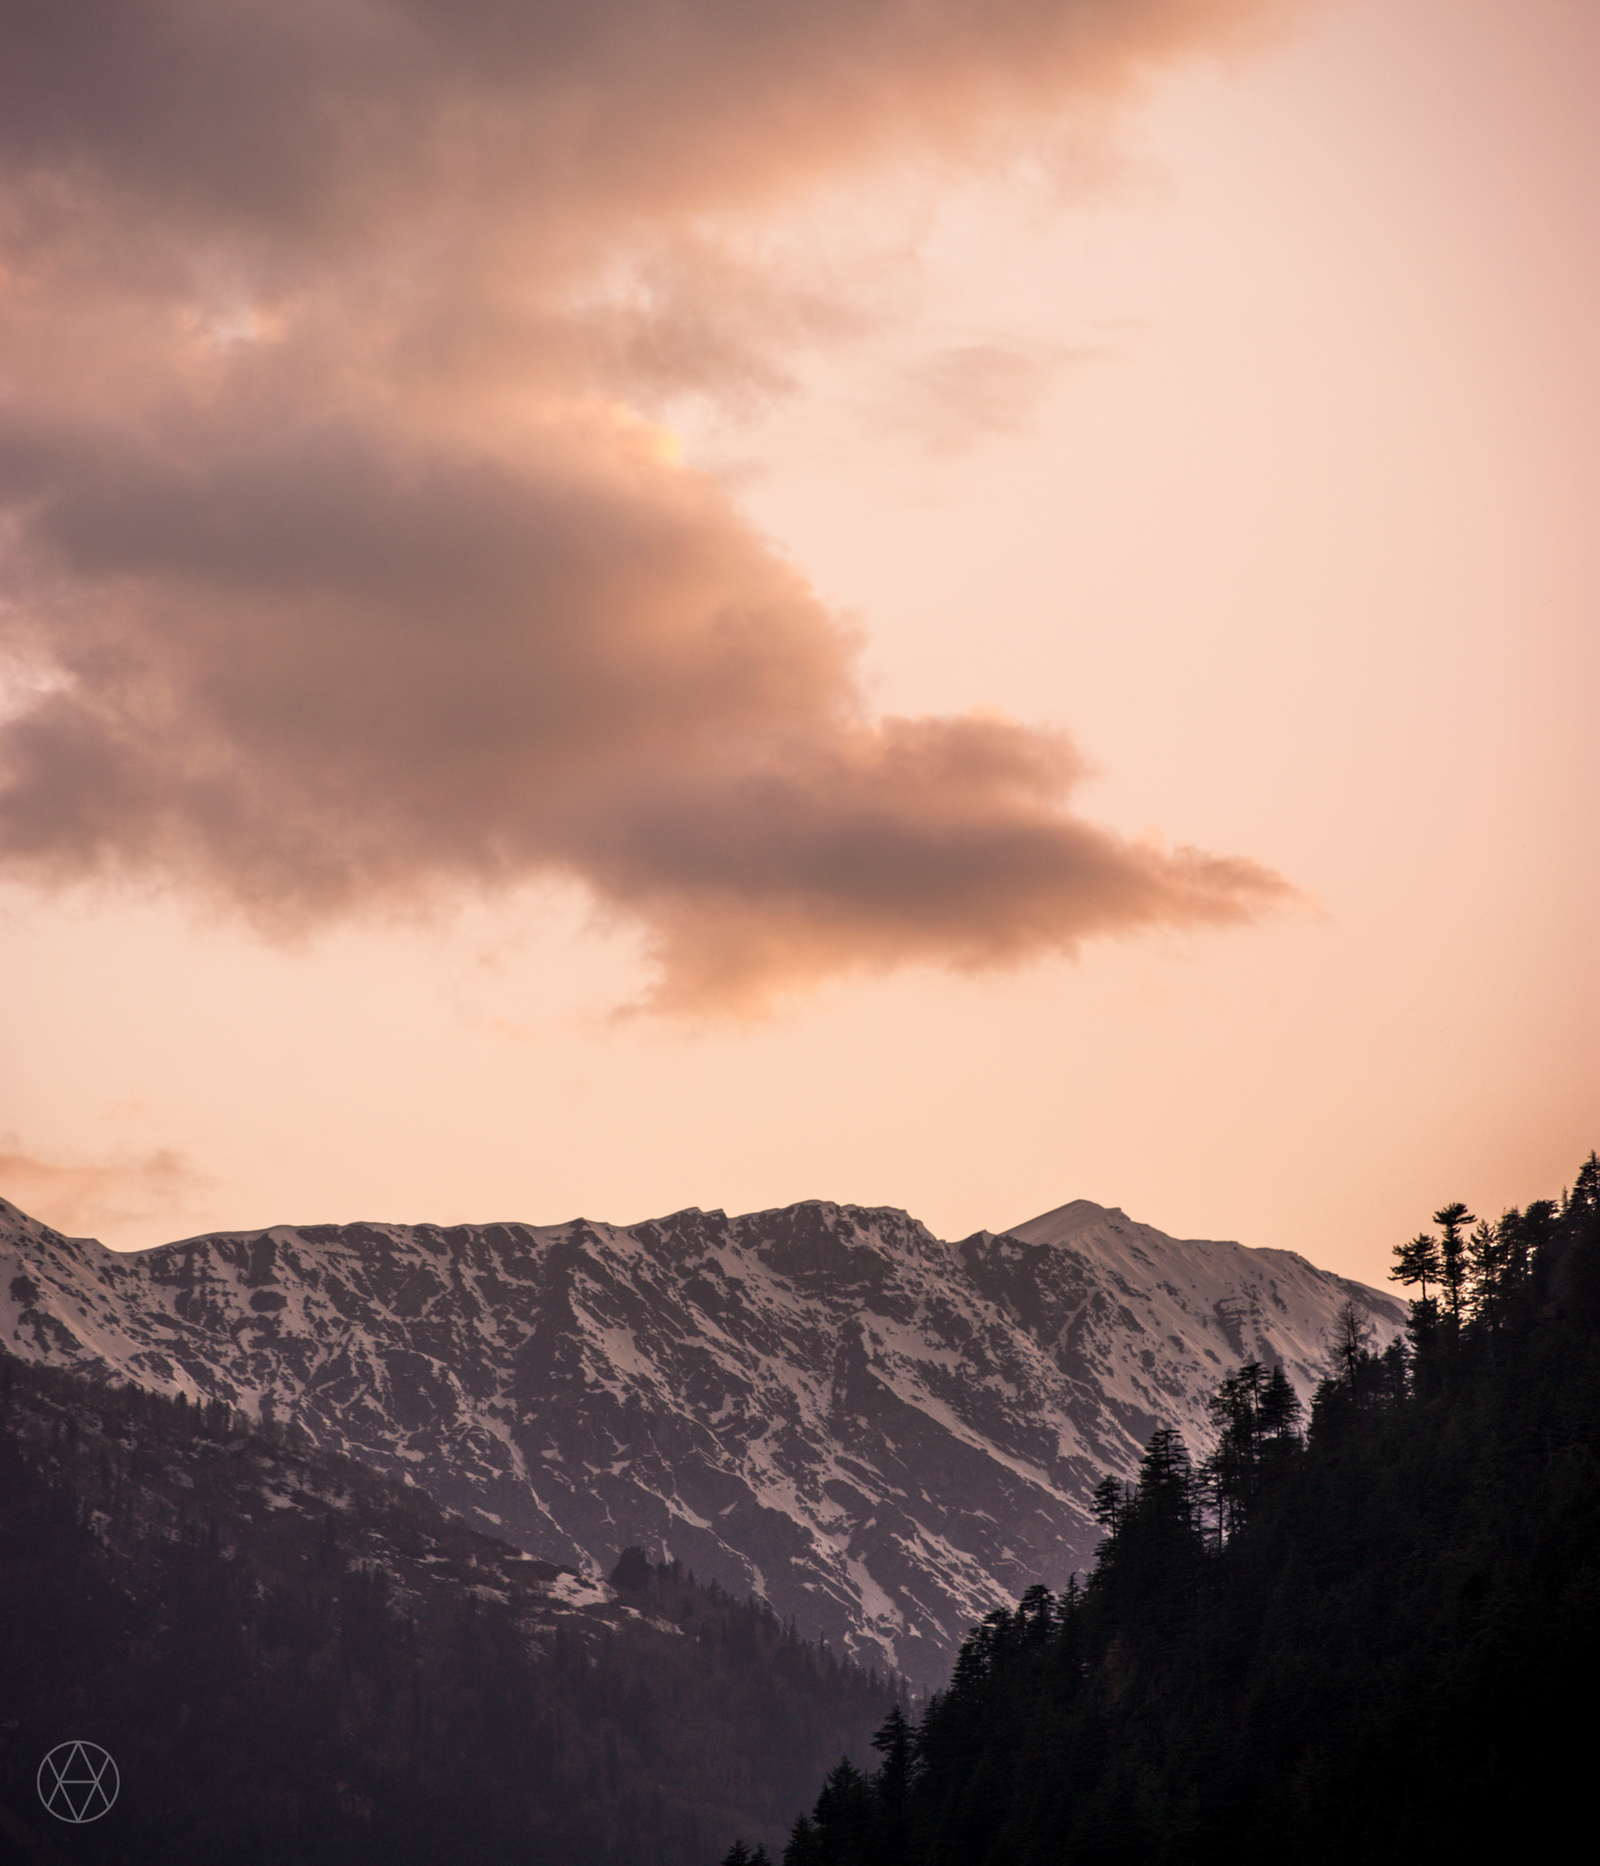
(1065, 1221)
(879, 1433)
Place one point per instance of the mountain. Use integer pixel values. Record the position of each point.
(1372, 1641)
(292, 1657)
(883, 1435)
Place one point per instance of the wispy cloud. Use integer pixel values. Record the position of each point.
(344, 573)
(966, 393)
(85, 1196)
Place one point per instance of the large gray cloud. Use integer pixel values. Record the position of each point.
(342, 575)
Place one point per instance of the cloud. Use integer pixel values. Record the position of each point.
(82, 1197)
(969, 392)
(339, 572)
(316, 122)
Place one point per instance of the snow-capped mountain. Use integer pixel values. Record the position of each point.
(882, 1434)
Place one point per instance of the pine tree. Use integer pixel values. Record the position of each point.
(805, 1845)
(1488, 1252)
(1228, 1474)
(845, 1810)
(1108, 1501)
(633, 1571)
(1417, 1262)
(1453, 1256)
(1281, 1410)
(1583, 1201)
(1352, 1337)
(1035, 1618)
(896, 1743)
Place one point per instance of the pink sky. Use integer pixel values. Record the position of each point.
(957, 620)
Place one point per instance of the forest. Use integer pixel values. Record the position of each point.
(294, 1659)
(1369, 1633)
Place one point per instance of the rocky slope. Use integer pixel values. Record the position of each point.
(881, 1434)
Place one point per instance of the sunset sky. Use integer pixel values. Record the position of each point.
(609, 607)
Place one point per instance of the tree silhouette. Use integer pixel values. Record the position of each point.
(1280, 1406)
(633, 1571)
(1417, 1262)
(1453, 1264)
(1350, 1340)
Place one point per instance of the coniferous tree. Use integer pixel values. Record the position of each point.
(1107, 1502)
(633, 1571)
(1281, 1410)
(1453, 1262)
(1352, 1337)
(1417, 1262)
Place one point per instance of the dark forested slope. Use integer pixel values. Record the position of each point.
(1375, 1639)
(295, 1659)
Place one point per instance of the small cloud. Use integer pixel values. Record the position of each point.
(957, 397)
(82, 1197)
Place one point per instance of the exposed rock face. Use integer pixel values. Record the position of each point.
(883, 1434)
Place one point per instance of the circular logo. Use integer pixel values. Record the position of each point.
(78, 1782)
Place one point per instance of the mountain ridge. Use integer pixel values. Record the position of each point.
(882, 1433)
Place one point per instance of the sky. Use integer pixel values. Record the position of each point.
(610, 608)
